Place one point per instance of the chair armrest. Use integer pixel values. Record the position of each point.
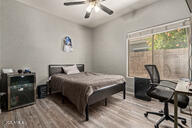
(156, 84)
(169, 81)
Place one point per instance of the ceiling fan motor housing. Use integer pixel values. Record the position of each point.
(93, 0)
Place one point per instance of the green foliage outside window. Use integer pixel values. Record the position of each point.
(169, 40)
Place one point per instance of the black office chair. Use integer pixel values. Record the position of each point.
(164, 93)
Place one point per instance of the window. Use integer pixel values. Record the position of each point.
(140, 53)
(166, 46)
(171, 54)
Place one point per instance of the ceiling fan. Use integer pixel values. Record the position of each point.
(92, 4)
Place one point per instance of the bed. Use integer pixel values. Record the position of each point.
(85, 88)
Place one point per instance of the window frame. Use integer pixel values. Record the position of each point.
(188, 28)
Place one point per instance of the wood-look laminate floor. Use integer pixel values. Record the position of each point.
(119, 113)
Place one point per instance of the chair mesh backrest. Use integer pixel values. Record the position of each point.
(153, 73)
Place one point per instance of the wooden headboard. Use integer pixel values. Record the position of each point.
(57, 68)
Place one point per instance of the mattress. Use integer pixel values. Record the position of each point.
(78, 87)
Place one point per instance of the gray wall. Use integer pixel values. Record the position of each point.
(32, 38)
(110, 39)
(0, 32)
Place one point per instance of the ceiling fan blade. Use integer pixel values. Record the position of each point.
(87, 15)
(88, 12)
(105, 9)
(74, 3)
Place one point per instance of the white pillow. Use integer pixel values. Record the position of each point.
(71, 69)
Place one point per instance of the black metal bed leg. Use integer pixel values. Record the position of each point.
(124, 91)
(105, 101)
(49, 87)
(87, 112)
(63, 99)
(50, 91)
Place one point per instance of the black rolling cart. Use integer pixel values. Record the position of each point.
(42, 91)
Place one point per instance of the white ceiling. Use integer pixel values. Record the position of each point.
(76, 13)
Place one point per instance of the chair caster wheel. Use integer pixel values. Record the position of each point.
(183, 122)
(145, 114)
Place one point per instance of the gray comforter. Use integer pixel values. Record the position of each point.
(78, 87)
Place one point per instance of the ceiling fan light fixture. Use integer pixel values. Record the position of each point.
(90, 7)
(97, 9)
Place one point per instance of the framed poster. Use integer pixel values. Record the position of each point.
(67, 44)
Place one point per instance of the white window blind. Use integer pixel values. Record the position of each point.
(159, 29)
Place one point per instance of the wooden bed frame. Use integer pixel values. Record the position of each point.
(99, 95)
